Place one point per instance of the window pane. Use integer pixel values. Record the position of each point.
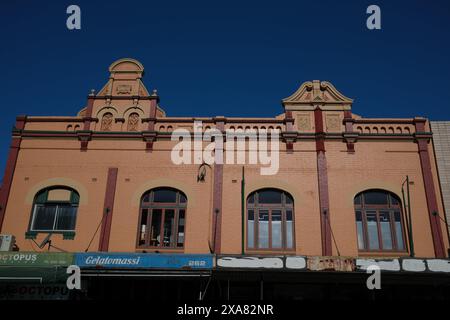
(394, 201)
(372, 230)
(44, 217)
(169, 228)
(251, 198)
(164, 195)
(357, 200)
(155, 239)
(41, 197)
(66, 216)
(399, 231)
(182, 199)
(180, 241)
(74, 198)
(288, 199)
(269, 196)
(277, 240)
(359, 227)
(263, 229)
(375, 197)
(146, 197)
(143, 227)
(289, 230)
(385, 225)
(251, 229)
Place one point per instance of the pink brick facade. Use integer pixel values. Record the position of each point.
(119, 147)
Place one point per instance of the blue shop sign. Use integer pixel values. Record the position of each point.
(144, 260)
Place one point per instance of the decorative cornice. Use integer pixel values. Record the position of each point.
(148, 135)
(51, 119)
(219, 119)
(114, 97)
(317, 93)
(382, 121)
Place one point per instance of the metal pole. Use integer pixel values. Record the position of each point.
(409, 218)
(216, 212)
(405, 215)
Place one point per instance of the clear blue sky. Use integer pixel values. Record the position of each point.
(232, 58)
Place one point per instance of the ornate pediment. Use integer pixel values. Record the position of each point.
(125, 79)
(316, 93)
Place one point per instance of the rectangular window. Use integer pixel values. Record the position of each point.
(169, 228)
(143, 228)
(359, 228)
(386, 232)
(375, 198)
(277, 240)
(398, 231)
(372, 230)
(269, 196)
(180, 237)
(65, 217)
(44, 218)
(289, 230)
(54, 217)
(155, 239)
(263, 229)
(165, 196)
(251, 229)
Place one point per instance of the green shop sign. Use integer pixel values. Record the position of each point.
(36, 259)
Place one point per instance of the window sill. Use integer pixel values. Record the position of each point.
(383, 254)
(67, 235)
(271, 252)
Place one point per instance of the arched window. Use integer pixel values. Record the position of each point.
(54, 209)
(162, 219)
(133, 122)
(107, 122)
(379, 221)
(270, 220)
